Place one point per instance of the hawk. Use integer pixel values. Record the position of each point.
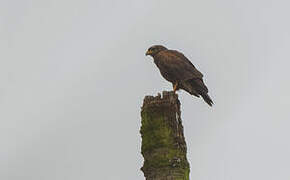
(178, 70)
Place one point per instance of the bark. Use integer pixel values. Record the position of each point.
(163, 143)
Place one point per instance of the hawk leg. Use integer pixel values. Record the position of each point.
(175, 86)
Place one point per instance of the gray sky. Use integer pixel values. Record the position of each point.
(73, 76)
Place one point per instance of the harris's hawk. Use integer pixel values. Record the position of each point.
(178, 70)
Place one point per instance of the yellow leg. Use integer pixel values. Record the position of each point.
(175, 87)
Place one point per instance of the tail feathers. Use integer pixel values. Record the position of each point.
(207, 99)
(197, 88)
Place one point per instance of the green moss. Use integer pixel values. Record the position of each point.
(163, 143)
(186, 173)
(155, 132)
(158, 145)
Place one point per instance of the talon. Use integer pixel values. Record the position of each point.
(175, 87)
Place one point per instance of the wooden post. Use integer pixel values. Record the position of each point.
(163, 143)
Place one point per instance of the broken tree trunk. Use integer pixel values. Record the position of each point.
(163, 143)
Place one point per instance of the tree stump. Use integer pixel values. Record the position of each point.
(163, 143)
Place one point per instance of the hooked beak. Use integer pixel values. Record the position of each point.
(148, 52)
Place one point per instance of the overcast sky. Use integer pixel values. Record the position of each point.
(73, 76)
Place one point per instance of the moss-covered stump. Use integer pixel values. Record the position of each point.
(163, 144)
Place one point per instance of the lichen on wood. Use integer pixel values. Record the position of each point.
(163, 143)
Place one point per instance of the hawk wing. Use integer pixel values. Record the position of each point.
(177, 65)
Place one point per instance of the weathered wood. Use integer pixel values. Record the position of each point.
(163, 143)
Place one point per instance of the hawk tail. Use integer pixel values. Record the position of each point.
(197, 88)
(207, 99)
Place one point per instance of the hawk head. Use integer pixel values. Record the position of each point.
(153, 50)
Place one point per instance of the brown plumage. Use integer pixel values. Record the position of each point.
(178, 70)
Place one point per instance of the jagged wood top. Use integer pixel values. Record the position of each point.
(167, 98)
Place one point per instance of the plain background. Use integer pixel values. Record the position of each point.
(74, 73)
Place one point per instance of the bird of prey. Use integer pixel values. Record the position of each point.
(178, 70)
